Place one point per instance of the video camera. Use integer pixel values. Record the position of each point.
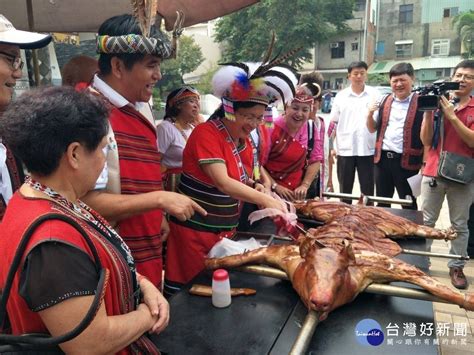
(430, 94)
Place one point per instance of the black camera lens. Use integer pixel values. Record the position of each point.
(428, 102)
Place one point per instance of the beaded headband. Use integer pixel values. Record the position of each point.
(133, 43)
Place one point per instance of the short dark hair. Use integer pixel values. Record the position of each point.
(358, 64)
(219, 112)
(40, 125)
(118, 26)
(468, 63)
(402, 68)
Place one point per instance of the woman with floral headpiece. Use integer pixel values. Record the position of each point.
(295, 152)
(218, 163)
(182, 111)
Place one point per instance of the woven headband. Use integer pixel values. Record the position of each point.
(186, 93)
(132, 43)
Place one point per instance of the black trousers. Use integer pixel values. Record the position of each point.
(346, 167)
(389, 175)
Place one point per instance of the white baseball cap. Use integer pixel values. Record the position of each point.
(23, 39)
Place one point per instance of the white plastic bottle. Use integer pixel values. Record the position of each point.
(220, 289)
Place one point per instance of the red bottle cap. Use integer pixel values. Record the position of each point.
(220, 275)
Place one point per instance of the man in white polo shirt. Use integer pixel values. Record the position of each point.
(398, 147)
(11, 65)
(354, 143)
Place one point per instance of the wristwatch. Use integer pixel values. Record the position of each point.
(273, 187)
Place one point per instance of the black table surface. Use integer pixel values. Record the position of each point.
(269, 322)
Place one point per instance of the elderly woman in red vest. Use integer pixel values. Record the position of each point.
(218, 165)
(59, 134)
(295, 151)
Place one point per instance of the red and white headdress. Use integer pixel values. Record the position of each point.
(266, 82)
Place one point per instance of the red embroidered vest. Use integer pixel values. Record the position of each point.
(21, 213)
(139, 162)
(412, 154)
(286, 160)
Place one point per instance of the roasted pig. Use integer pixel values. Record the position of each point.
(390, 225)
(326, 278)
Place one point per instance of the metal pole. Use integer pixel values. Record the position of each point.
(438, 255)
(380, 289)
(405, 202)
(34, 54)
(303, 339)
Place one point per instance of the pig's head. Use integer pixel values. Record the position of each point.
(321, 279)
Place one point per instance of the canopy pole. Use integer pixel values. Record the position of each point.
(34, 54)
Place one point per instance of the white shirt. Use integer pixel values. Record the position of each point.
(349, 111)
(393, 138)
(6, 189)
(171, 143)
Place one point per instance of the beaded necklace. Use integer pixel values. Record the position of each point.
(94, 219)
(181, 130)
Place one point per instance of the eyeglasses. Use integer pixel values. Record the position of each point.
(464, 76)
(253, 118)
(15, 61)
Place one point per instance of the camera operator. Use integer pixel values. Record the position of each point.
(458, 137)
(398, 148)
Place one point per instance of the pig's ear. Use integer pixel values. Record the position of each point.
(348, 252)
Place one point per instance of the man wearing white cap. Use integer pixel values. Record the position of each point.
(11, 64)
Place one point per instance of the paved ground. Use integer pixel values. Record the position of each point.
(452, 315)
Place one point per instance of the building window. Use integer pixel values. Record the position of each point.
(380, 50)
(450, 11)
(403, 49)
(406, 14)
(447, 72)
(355, 46)
(338, 83)
(359, 5)
(326, 84)
(439, 73)
(337, 49)
(439, 47)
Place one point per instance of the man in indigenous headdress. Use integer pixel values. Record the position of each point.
(129, 68)
(11, 65)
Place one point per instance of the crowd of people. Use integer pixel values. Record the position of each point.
(90, 151)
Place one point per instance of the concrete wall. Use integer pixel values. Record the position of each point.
(203, 36)
(391, 30)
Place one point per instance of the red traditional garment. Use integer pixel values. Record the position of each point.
(21, 213)
(208, 144)
(286, 160)
(140, 172)
(186, 251)
(190, 241)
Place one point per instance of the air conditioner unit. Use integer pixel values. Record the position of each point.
(333, 45)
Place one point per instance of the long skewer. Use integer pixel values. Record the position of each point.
(403, 202)
(381, 289)
(303, 339)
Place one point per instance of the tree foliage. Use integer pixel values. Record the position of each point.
(297, 23)
(464, 23)
(204, 86)
(188, 59)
